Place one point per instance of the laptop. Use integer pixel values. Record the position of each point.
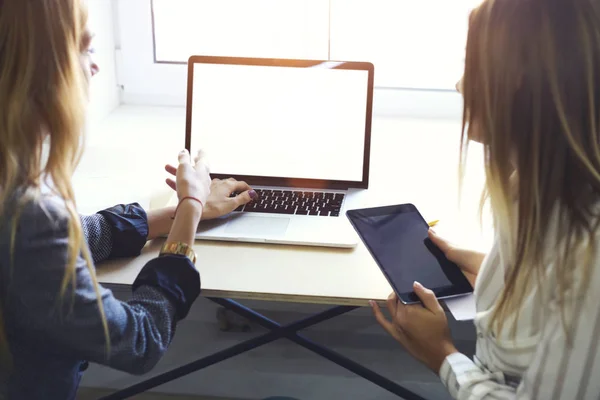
(297, 131)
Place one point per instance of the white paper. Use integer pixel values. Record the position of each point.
(462, 308)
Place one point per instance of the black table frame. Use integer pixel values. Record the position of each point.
(276, 331)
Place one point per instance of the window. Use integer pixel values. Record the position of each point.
(414, 44)
(243, 28)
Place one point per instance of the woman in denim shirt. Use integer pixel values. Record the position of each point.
(54, 317)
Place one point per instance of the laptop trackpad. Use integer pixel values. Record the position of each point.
(257, 226)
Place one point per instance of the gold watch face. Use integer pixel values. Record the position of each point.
(179, 249)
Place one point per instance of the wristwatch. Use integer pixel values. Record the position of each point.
(178, 248)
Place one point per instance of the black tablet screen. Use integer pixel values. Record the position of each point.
(399, 243)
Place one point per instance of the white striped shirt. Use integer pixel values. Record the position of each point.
(538, 363)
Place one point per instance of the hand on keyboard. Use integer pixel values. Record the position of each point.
(221, 202)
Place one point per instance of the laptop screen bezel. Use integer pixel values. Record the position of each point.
(283, 181)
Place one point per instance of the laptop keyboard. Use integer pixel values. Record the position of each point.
(291, 202)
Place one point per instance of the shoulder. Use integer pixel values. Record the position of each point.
(39, 216)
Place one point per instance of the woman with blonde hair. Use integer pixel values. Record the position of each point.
(54, 317)
(531, 91)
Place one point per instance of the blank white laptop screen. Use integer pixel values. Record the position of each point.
(289, 122)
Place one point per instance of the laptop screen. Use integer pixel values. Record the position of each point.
(279, 121)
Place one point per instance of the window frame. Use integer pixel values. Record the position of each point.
(137, 64)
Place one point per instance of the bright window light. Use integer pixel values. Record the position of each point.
(242, 28)
(413, 43)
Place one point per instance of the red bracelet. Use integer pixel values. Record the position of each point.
(186, 198)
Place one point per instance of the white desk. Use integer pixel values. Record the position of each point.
(412, 161)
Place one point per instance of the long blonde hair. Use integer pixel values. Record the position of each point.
(43, 92)
(532, 97)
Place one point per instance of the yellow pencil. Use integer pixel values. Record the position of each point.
(433, 223)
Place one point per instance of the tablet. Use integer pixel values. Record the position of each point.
(396, 236)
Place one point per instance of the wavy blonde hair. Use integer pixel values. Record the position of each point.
(43, 92)
(532, 97)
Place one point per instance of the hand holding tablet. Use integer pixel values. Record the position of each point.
(397, 238)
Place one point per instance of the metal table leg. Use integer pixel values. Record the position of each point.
(277, 331)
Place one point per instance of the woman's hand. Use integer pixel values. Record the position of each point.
(421, 329)
(219, 201)
(468, 261)
(192, 180)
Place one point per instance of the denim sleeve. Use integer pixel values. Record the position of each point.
(129, 229)
(140, 329)
(119, 231)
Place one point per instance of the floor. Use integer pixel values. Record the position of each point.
(282, 368)
(93, 394)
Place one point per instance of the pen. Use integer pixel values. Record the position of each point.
(433, 223)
